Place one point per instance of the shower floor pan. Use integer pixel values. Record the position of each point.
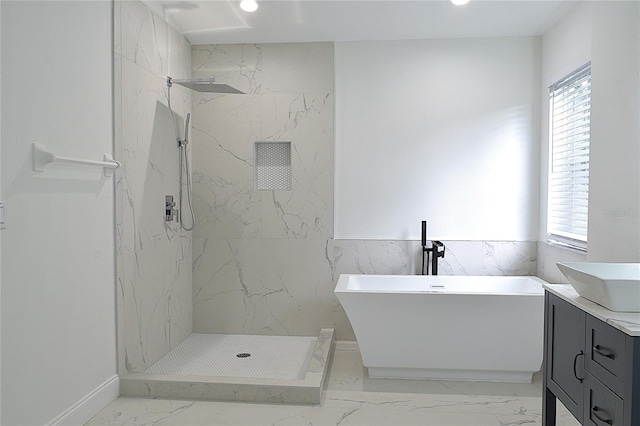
(231, 367)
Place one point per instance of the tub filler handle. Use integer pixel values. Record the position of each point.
(575, 362)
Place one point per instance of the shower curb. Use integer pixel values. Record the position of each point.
(214, 388)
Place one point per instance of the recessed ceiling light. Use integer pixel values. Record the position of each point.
(459, 2)
(250, 5)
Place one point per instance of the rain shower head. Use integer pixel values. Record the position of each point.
(203, 85)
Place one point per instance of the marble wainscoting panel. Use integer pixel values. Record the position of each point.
(307, 122)
(268, 68)
(488, 258)
(510, 257)
(227, 285)
(225, 202)
(462, 258)
(388, 257)
(375, 257)
(549, 254)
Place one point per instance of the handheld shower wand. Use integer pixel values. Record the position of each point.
(186, 130)
(184, 161)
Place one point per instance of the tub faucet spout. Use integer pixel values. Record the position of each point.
(437, 250)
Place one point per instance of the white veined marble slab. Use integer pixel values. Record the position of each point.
(626, 322)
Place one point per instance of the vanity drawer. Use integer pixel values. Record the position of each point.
(602, 406)
(605, 354)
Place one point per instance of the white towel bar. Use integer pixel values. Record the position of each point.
(41, 157)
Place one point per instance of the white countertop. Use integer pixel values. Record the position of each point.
(627, 322)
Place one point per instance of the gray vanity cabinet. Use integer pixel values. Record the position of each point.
(564, 327)
(590, 366)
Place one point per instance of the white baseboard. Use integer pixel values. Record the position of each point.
(83, 410)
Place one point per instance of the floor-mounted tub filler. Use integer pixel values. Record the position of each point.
(487, 328)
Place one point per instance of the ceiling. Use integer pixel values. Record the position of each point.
(223, 22)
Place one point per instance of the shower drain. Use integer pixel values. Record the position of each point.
(243, 355)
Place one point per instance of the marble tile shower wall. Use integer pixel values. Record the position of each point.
(154, 266)
(265, 262)
(258, 255)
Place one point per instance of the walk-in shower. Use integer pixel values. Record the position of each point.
(206, 85)
(161, 354)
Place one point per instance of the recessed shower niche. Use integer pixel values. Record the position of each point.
(273, 166)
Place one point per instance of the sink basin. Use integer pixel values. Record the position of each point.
(616, 286)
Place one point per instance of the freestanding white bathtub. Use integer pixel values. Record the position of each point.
(487, 328)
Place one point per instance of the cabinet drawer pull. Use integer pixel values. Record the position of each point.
(575, 362)
(599, 350)
(595, 410)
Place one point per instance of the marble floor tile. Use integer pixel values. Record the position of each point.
(351, 398)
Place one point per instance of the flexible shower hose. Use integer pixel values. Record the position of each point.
(184, 160)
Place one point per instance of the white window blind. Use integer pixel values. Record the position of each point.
(570, 117)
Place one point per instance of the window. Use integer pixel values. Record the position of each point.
(569, 125)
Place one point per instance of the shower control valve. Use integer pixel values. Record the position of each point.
(170, 210)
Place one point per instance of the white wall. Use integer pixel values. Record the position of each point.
(605, 33)
(58, 307)
(614, 169)
(442, 130)
(565, 47)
